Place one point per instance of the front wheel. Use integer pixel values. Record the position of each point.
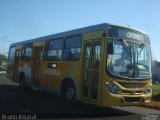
(69, 92)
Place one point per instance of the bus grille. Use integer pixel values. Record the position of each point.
(132, 99)
(132, 92)
(132, 85)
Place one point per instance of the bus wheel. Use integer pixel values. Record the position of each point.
(69, 92)
(22, 81)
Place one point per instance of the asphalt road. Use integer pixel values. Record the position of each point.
(14, 100)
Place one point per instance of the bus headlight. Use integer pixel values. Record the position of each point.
(112, 88)
(149, 89)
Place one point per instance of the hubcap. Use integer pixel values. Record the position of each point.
(70, 93)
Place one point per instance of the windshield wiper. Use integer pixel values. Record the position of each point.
(142, 47)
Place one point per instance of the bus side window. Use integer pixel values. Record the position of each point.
(27, 52)
(96, 54)
(11, 54)
(55, 49)
(72, 48)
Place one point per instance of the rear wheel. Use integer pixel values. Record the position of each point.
(69, 92)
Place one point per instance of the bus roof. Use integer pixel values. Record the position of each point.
(103, 26)
(127, 26)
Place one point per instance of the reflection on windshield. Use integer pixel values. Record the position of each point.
(132, 61)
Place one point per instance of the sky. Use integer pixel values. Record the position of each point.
(27, 19)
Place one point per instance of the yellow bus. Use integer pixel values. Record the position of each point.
(104, 64)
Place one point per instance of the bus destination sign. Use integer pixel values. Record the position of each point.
(130, 35)
(127, 33)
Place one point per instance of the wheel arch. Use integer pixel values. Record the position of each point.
(68, 80)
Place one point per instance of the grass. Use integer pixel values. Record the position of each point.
(156, 91)
(156, 87)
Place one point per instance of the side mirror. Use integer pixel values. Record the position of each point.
(110, 48)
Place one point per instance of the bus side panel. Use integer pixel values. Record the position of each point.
(10, 62)
(25, 68)
(10, 66)
(53, 73)
(51, 76)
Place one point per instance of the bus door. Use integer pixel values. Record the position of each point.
(91, 65)
(16, 63)
(36, 63)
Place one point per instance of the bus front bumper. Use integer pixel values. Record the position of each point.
(109, 99)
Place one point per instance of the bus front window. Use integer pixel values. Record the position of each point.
(128, 61)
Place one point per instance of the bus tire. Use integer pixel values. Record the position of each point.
(22, 83)
(69, 92)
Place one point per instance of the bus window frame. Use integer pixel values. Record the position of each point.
(121, 77)
(23, 53)
(51, 58)
(67, 49)
(13, 53)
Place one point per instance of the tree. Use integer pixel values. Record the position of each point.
(3, 57)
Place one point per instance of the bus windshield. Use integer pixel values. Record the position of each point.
(128, 60)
